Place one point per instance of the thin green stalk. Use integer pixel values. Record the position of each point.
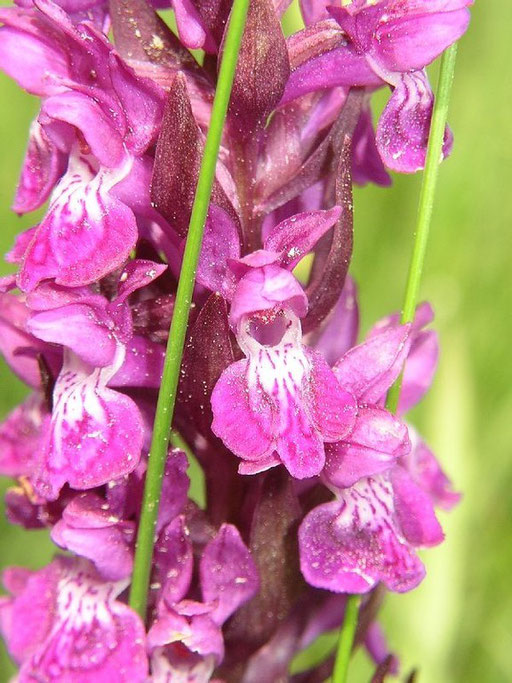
(346, 639)
(425, 208)
(174, 352)
(426, 201)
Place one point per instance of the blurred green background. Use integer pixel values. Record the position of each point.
(458, 625)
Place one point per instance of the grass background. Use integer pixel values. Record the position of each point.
(457, 625)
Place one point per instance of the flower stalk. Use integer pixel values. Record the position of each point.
(425, 210)
(346, 639)
(174, 352)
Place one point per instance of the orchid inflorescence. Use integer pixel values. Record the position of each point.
(314, 489)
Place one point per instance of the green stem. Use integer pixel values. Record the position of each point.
(426, 201)
(347, 633)
(425, 208)
(174, 352)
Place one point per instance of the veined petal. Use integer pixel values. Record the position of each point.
(86, 234)
(65, 624)
(274, 403)
(300, 446)
(96, 434)
(404, 125)
(350, 545)
(43, 165)
(276, 384)
(333, 408)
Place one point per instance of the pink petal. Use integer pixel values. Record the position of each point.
(333, 409)
(141, 102)
(266, 289)
(173, 562)
(341, 66)
(22, 242)
(21, 437)
(368, 370)
(89, 529)
(296, 236)
(142, 366)
(339, 332)
(30, 59)
(88, 330)
(229, 577)
(137, 274)
(421, 362)
(42, 167)
(419, 370)
(86, 114)
(242, 418)
(221, 243)
(367, 166)
(300, 445)
(376, 442)
(414, 511)
(18, 347)
(422, 32)
(314, 10)
(426, 471)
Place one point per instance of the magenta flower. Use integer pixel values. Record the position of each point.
(90, 135)
(368, 536)
(282, 403)
(385, 489)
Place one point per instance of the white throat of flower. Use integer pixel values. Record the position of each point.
(281, 370)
